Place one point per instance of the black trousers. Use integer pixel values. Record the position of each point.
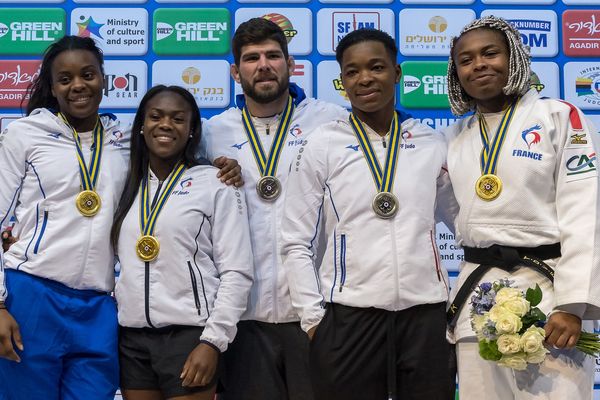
(267, 362)
(349, 354)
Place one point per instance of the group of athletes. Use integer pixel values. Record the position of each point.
(304, 266)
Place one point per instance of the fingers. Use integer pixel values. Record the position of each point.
(311, 332)
(563, 330)
(8, 327)
(230, 172)
(196, 375)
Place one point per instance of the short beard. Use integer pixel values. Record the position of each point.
(265, 97)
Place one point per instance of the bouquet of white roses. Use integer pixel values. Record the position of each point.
(509, 326)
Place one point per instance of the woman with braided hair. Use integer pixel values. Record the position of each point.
(523, 173)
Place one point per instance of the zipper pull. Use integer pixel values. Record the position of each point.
(268, 131)
(383, 141)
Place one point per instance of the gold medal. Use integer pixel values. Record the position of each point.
(385, 205)
(488, 187)
(88, 203)
(268, 188)
(147, 248)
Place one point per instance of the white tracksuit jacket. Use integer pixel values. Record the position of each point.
(203, 273)
(369, 262)
(550, 195)
(39, 180)
(224, 135)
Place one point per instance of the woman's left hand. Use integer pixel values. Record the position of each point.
(230, 172)
(562, 330)
(200, 366)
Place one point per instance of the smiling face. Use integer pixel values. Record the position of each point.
(263, 71)
(77, 83)
(167, 129)
(481, 57)
(369, 75)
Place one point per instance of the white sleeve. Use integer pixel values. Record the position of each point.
(232, 255)
(301, 219)
(13, 161)
(577, 274)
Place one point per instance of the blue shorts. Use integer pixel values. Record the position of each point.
(69, 338)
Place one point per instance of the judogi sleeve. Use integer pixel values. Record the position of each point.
(577, 275)
(300, 226)
(232, 255)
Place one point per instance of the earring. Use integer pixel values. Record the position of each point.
(142, 130)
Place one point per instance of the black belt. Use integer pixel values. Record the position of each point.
(503, 257)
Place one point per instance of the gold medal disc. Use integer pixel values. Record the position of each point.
(488, 187)
(268, 188)
(88, 203)
(147, 248)
(385, 205)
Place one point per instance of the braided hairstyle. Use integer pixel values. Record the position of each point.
(519, 64)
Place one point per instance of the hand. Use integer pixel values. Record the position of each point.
(311, 332)
(230, 172)
(200, 366)
(7, 240)
(9, 332)
(563, 330)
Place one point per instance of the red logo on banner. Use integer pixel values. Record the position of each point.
(581, 33)
(15, 78)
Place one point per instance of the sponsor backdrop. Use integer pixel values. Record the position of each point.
(187, 43)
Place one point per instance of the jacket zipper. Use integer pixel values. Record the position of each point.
(39, 240)
(147, 293)
(342, 261)
(194, 287)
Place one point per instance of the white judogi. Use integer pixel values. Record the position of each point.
(550, 195)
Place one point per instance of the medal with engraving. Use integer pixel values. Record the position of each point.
(268, 186)
(88, 201)
(147, 246)
(385, 203)
(489, 185)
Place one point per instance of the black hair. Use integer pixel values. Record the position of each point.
(138, 161)
(254, 31)
(366, 35)
(40, 90)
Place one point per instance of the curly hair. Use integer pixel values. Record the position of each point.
(519, 64)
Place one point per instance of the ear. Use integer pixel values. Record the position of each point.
(291, 63)
(398, 73)
(235, 72)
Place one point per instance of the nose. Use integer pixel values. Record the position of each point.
(78, 83)
(479, 63)
(364, 77)
(263, 63)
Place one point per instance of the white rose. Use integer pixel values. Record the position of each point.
(506, 322)
(532, 340)
(537, 357)
(518, 306)
(477, 323)
(516, 361)
(507, 294)
(509, 344)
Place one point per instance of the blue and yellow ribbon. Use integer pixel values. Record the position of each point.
(149, 214)
(88, 174)
(384, 180)
(490, 152)
(268, 166)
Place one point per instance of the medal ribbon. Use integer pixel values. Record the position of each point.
(149, 216)
(490, 152)
(268, 167)
(88, 174)
(384, 180)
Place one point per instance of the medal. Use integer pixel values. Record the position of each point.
(268, 186)
(88, 203)
(147, 248)
(88, 200)
(385, 203)
(488, 187)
